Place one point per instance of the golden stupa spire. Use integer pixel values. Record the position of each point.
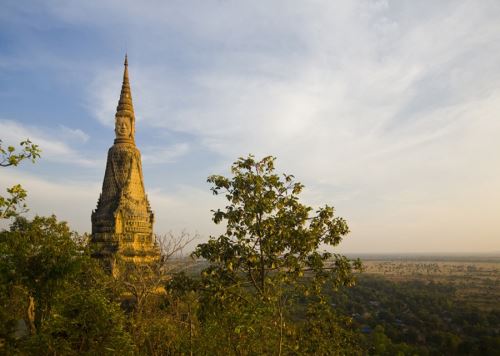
(125, 108)
(122, 223)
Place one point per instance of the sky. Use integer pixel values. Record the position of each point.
(387, 110)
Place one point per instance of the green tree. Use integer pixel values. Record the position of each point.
(12, 205)
(272, 241)
(49, 279)
(323, 332)
(38, 255)
(82, 322)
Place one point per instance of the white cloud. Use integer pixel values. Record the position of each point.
(388, 109)
(370, 98)
(73, 134)
(188, 209)
(169, 154)
(68, 200)
(53, 148)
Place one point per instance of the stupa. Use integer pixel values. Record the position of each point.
(122, 223)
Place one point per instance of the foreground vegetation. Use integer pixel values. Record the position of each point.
(57, 300)
(264, 287)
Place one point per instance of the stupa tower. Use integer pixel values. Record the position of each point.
(122, 223)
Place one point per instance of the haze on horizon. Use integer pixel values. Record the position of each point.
(387, 110)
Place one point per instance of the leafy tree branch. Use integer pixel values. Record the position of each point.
(10, 157)
(12, 205)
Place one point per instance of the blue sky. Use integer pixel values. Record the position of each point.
(388, 110)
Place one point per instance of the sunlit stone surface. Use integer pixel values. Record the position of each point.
(122, 223)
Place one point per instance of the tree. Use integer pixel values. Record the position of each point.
(12, 205)
(49, 280)
(271, 243)
(38, 256)
(151, 325)
(9, 156)
(82, 322)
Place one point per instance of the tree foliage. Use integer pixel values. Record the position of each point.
(271, 243)
(55, 299)
(9, 156)
(38, 255)
(13, 204)
(50, 284)
(272, 238)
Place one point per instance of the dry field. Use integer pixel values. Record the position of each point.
(477, 280)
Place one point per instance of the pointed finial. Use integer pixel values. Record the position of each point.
(125, 108)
